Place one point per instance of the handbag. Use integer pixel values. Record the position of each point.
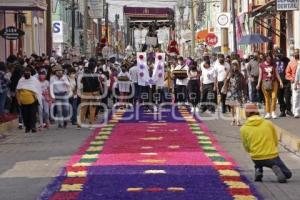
(224, 89)
(268, 85)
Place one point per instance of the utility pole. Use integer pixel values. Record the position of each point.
(117, 17)
(49, 28)
(106, 21)
(191, 4)
(85, 27)
(73, 23)
(234, 26)
(224, 31)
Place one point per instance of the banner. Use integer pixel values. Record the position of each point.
(143, 78)
(158, 76)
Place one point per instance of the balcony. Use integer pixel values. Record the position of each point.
(23, 5)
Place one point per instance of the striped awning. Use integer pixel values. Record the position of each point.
(23, 5)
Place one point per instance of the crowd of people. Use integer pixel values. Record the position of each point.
(46, 90)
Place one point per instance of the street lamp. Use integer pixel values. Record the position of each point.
(191, 6)
(181, 8)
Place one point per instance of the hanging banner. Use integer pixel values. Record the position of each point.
(287, 5)
(143, 78)
(158, 76)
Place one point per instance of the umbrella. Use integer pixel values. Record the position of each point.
(253, 39)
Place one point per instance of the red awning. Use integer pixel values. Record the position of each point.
(148, 13)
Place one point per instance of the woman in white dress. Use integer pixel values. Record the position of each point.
(124, 84)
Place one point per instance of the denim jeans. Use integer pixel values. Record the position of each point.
(3, 97)
(44, 112)
(74, 103)
(259, 164)
(62, 111)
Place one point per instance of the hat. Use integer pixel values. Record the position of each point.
(57, 68)
(251, 108)
(235, 62)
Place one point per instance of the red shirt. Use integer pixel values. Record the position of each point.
(268, 71)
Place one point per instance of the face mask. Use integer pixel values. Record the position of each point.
(27, 75)
(59, 74)
(73, 76)
(42, 77)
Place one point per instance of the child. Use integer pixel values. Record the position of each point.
(44, 109)
(235, 83)
(124, 84)
(209, 87)
(193, 87)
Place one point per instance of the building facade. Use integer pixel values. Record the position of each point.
(28, 16)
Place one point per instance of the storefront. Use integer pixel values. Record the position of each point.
(28, 16)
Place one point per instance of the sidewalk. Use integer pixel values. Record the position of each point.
(229, 139)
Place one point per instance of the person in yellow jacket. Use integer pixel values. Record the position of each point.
(260, 140)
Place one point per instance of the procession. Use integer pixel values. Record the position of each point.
(123, 101)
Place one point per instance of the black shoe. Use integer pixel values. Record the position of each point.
(290, 113)
(27, 130)
(282, 114)
(258, 176)
(60, 126)
(33, 131)
(280, 175)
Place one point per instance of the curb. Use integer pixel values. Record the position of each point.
(8, 126)
(288, 140)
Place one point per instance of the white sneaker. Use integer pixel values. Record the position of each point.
(197, 110)
(274, 116)
(268, 116)
(192, 110)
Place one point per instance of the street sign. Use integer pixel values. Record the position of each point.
(58, 32)
(11, 33)
(223, 20)
(211, 39)
(287, 5)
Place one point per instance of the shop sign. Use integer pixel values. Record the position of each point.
(287, 5)
(57, 32)
(211, 39)
(11, 33)
(223, 20)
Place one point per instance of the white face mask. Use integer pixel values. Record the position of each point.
(80, 66)
(73, 76)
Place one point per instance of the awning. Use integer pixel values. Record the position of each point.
(138, 13)
(23, 5)
(262, 8)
